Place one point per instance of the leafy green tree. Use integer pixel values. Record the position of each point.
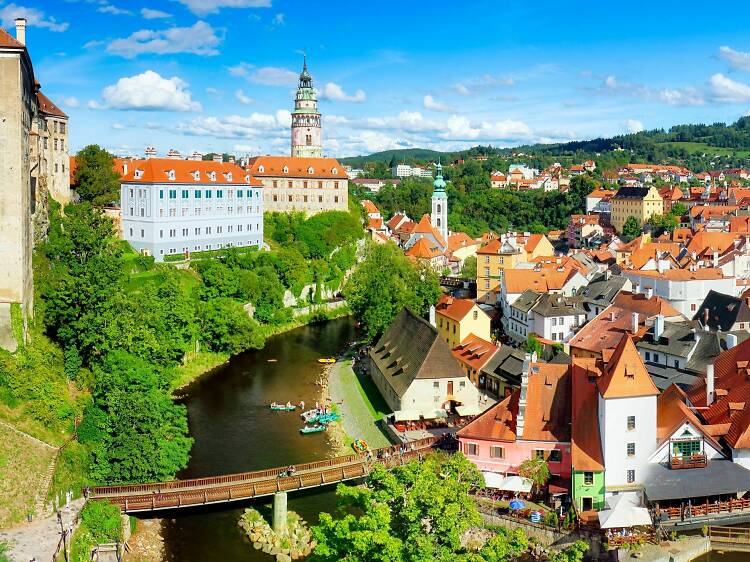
(533, 345)
(384, 283)
(96, 179)
(219, 280)
(416, 512)
(678, 210)
(535, 469)
(631, 229)
(505, 545)
(136, 432)
(225, 326)
(663, 223)
(573, 553)
(263, 289)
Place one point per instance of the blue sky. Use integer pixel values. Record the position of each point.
(220, 74)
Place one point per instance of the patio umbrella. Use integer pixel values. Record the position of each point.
(515, 505)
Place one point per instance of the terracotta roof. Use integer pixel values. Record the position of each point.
(273, 166)
(672, 412)
(739, 224)
(529, 243)
(547, 416)
(701, 274)
(645, 307)
(711, 242)
(641, 256)
(370, 207)
(475, 351)
(606, 330)
(455, 309)
(424, 249)
(520, 280)
(425, 227)
(394, 221)
(586, 448)
(47, 107)
(8, 41)
(156, 170)
(625, 375)
(459, 240)
(375, 224)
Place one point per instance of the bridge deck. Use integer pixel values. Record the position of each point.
(246, 485)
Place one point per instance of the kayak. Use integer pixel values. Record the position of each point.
(283, 408)
(312, 429)
(328, 418)
(360, 445)
(311, 416)
(326, 360)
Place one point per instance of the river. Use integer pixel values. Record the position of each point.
(235, 431)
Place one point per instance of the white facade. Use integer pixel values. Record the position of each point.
(686, 295)
(619, 437)
(430, 394)
(162, 219)
(557, 328)
(685, 432)
(520, 323)
(306, 130)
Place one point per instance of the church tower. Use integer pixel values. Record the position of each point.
(439, 216)
(306, 132)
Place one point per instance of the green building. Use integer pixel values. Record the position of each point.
(587, 480)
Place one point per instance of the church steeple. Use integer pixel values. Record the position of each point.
(306, 131)
(439, 216)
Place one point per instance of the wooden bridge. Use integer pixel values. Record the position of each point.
(730, 538)
(246, 485)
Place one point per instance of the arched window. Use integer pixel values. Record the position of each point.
(438, 223)
(286, 170)
(261, 169)
(439, 208)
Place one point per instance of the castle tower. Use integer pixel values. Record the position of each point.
(306, 132)
(439, 216)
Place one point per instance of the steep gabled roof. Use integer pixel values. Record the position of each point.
(475, 351)
(586, 448)
(455, 309)
(625, 375)
(672, 411)
(424, 226)
(8, 41)
(723, 311)
(423, 249)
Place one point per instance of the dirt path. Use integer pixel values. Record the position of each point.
(356, 417)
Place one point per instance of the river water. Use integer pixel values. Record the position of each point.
(235, 431)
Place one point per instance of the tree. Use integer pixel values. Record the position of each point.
(416, 512)
(96, 179)
(505, 545)
(225, 326)
(469, 268)
(536, 470)
(631, 229)
(384, 283)
(533, 345)
(678, 210)
(663, 223)
(136, 432)
(574, 553)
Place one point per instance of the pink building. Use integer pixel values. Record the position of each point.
(533, 421)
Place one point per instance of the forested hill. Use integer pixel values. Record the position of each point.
(699, 147)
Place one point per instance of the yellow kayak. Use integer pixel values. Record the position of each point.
(326, 360)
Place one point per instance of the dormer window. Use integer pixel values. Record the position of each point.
(286, 169)
(228, 176)
(196, 175)
(262, 169)
(310, 170)
(212, 176)
(138, 174)
(170, 175)
(334, 171)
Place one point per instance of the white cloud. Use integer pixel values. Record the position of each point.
(475, 85)
(150, 92)
(737, 59)
(687, 96)
(335, 119)
(278, 20)
(431, 103)
(150, 14)
(70, 102)
(203, 7)
(93, 104)
(261, 126)
(634, 126)
(199, 39)
(461, 128)
(726, 90)
(334, 92)
(266, 75)
(242, 69)
(118, 126)
(114, 10)
(242, 98)
(34, 18)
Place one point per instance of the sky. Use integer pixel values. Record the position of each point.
(220, 75)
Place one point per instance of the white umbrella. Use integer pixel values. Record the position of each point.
(406, 415)
(624, 510)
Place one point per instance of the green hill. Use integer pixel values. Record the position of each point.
(408, 155)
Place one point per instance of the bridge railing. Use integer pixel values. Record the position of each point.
(729, 534)
(229, 479)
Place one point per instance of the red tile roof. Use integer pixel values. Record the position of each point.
(586, 448)
(424, 249)
(625, 375)
(370, 207)
(453, 308)
(47, 107)
(8, 41)
(273, 166)
(155, 170)
(425, 227)
(475, 352)
(644, 306)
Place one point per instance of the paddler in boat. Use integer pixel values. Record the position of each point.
(301, 404)
(289, 404)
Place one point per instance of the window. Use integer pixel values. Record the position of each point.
(304, 184)
(648, 356)
(62, 127)
(219, 194)
(631, 423)
(486, 259)
(143, 234)
(336, 200)
(539, 454)
(555, 455)
(436, 384)
(208, 194)
(631, 449)
(173, 194)
(497, 452)
(472, 449)
(588, 478)
(693, 307)
(631, 476)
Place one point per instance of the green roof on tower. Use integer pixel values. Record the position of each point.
(439, 183)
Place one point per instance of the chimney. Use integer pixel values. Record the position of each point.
(611, 315)
(21, 30)
(607, 274)
(709, 384)
(716, 259)
(636, 289)
(218, 158)
(174, 154)
(150, 152)
(634, 322)
(432, 315)
(125, 168)
(705, 317)
(731, 341)
(658, 326)
(521, 417)
(649, 292)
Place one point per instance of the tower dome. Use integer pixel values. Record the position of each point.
(439, 216)
(306, 130)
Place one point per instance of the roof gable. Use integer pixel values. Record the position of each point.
(625, 375)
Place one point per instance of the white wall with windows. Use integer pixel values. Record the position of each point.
(167, 219)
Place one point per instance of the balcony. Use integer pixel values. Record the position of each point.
(695, 460)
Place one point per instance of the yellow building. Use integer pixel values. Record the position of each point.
(638, 202)
(505, 253)
(457, 319)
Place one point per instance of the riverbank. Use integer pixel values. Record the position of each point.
(203, 362)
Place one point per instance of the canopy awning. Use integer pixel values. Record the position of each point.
(468, 410)
(434, 413)
(624, 510)
(719, 477)
(406, 415)
(508, 483)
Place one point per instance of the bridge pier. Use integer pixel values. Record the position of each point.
(279, 512)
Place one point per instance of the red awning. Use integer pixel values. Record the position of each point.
(559, 488)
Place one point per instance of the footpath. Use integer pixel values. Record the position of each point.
(357, 415)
